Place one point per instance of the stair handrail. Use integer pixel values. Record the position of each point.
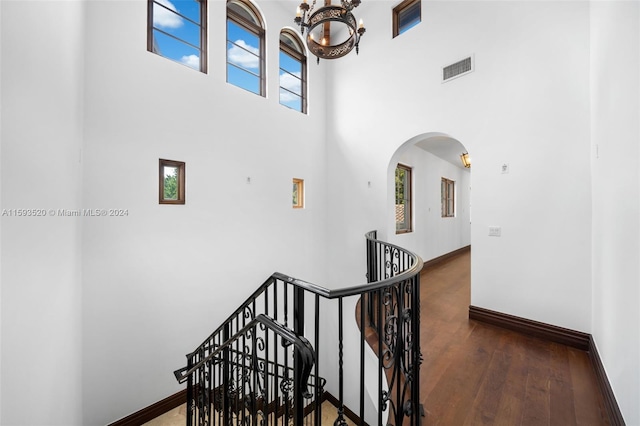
(302, 345)
(415, 269)
(361, 288)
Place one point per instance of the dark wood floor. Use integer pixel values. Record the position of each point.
(477, 374)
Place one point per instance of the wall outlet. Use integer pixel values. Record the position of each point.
(495, 231)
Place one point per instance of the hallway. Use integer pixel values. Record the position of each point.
(477, 374)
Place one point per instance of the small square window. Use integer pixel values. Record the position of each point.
(171, 182)
(298, 193)
(406, 15)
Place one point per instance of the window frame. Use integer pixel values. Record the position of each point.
(398, 10)
(299, 184)
(203, 49)
(447, 197)
(407, 198)
(251, 27)
(302, 58)
(181, 166)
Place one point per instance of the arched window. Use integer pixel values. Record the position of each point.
(245, 47)
(177, 30)
(293, 72)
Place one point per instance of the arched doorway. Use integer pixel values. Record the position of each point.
(436, 219)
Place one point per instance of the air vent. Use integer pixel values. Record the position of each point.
(458, 69)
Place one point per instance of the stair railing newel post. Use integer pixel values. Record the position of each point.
(417, 353)
(190, 391)
(317, 387)
(340, 421)
(383, 396)
(298, 328)
(226, 382)
(285, 385)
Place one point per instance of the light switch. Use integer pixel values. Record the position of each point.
(495, 231)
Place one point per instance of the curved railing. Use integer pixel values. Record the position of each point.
(240, 375)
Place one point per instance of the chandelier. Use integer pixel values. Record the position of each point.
(322, 40)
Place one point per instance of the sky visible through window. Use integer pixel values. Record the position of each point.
(176, 32)
(290, 82)
(243, 58)
(409, 18)
(176, 36)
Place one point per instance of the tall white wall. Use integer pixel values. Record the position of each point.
(159, 280)
(41, 137)
(615, 133)
(526, 104)
(432, 235)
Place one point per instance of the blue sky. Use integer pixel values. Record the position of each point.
(175, 17)
(168, 19)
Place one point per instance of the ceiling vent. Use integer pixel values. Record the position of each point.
(458, 69)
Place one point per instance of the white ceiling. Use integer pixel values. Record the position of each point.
(444, 147)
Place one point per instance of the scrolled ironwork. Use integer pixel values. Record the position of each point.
(243, 374)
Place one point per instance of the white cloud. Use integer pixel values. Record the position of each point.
(163, 18)
(192, 61)
(238, 54)
(290, 82)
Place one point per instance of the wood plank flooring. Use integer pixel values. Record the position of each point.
(478, 374)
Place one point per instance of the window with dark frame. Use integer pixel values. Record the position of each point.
(177, 30)
(448, 197)
(403, 206)
(406, 15)
(293, 72)
(298, 193)
(245, 47)
(171, 182)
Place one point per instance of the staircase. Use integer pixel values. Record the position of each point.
(288, 348)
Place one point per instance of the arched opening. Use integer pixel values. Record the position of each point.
(429, 199)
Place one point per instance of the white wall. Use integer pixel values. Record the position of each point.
(158, 281)
(40, 152)
(526, 104)
(615, 117)
(432, 235)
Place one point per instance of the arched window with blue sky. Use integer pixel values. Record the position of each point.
(293, 72)
(245, 47)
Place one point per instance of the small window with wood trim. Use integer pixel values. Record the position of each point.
(406, 15)
(172, 182)
(298, 193)
(448, 197)
(403, 205)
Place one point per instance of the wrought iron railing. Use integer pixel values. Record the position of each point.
(275, 359)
